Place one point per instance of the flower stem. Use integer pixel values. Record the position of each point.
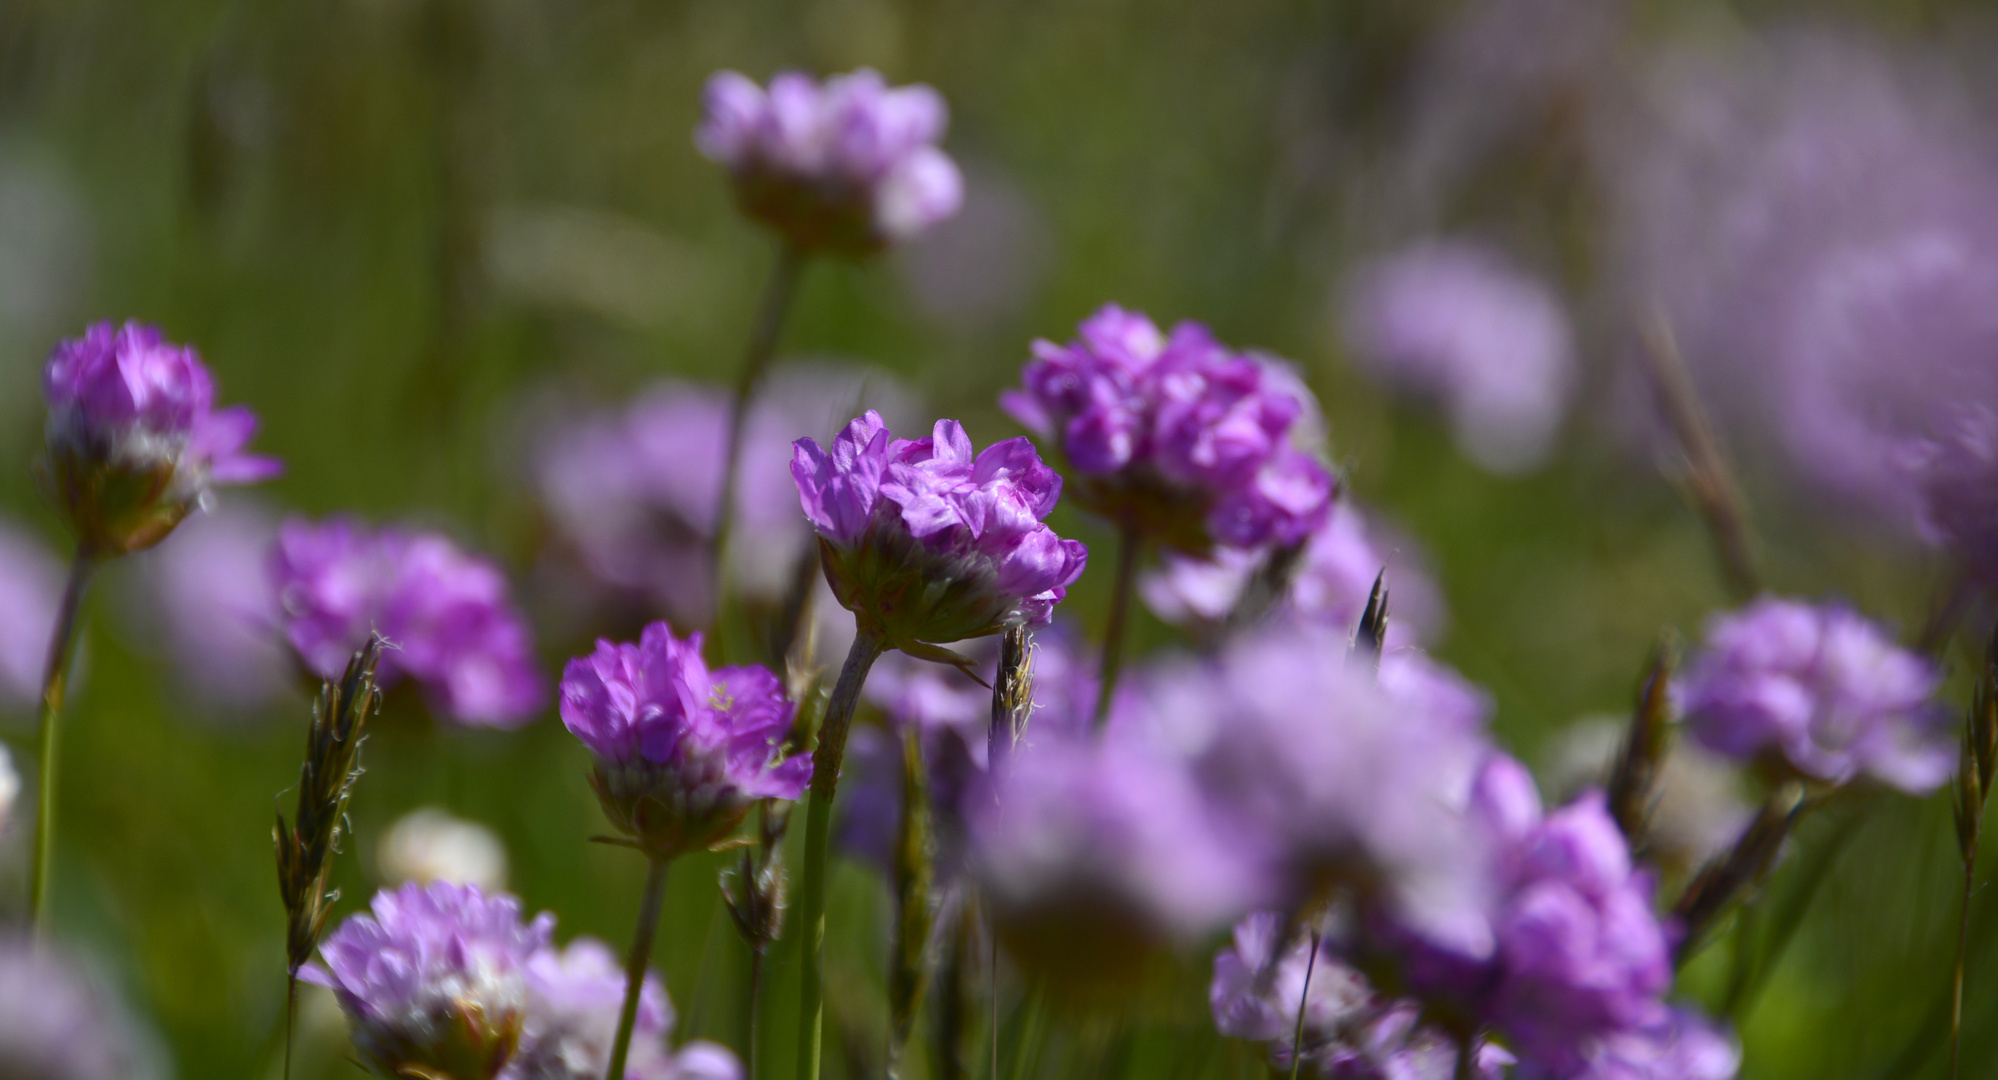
(55, 678)
(755, 1010)
(818, 830)
(290, 1017)
(634, 966)
(770, 312)
(1128, 543)
(1962, 955)
(1303, 999)
(1710, 484)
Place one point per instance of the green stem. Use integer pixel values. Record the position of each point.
(755, 1009)
(62, 646)
(770, 312)
(635, 964)
(818, 831)
(1128, 543)
(1962, 956)
(1303, 999)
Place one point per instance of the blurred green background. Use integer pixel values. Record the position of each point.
(388, 223)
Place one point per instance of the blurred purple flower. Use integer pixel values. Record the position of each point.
(1329, 587)
(1957, 467)
(574, 996)
(134, 438)
(1351, 1031)
(58, 1024)
(1094, 856)
(849, 165)
(1353, 783)
(436, 979)
(449, 615)
(1682, 1046)
(1176, 436)
(1457, 322)
(1823, 687)
(926, 543)
(681, 753)
(218, 609)
(30, 589)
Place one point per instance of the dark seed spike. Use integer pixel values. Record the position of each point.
(1012, 693)
(1371, 634)
(1633, 782)
(1727, 876)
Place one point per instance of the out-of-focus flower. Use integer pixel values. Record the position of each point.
(1353, 782)
(574, 996)
(30, 589)
(449, 615)
(1824, 688)
(10, 788)
(982, 268)
(847, 166)
(925, 542)
(216, 607)
(1329, 587)
(1457, 322)
(681, 753)
(1350, 1030)
(1682, 1046)
(1818, 219)
(1095, 856)
(427, 845)
(1578, 955)
(435, 980)
(1697, 810)
(1176, 436)
(134, 438)
(1957, 467)
(56, 1024)
(635, 491)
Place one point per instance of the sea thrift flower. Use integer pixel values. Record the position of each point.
(1957, 467)
(1458, 323)
(448, 614)
(1351, 1031)
(1821, 689)
(574, 995)
(926, 543)
(681, 753)
(846, 166)
(435, 979)
(1177, 437)
(1351, 780)
(427, 845)
(30, 589)
(216, 607)
(1095, 856)
(56, 1024)
(134, 439)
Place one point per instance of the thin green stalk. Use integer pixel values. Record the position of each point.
(1128, 543)
(1303, 999)
(755, 1010)
(818, 832)
(634, 966)
(1962, 957)
(770, 312)
(55, 679)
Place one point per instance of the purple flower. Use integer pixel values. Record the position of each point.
(847, 166)
(218, 612)
(1329, 586)
(449, 615)
(1957, 468)
(574, 996)
(134, 439)
(1096, 856)
(1350, 782)
(435, 979)
(1823, 688)
(1682, 1046)
(1456, 322)
(926, 543)
(30, 589)
(58, 1024)
(681, 753)
(1176, 436)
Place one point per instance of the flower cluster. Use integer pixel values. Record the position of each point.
(573, 999)
(1825, 691)
(1176, 436)
(134, 438)
(434, 981)
(681, 753)
(448, 614)
(847, 166)
(58, 1024)
(926, 542)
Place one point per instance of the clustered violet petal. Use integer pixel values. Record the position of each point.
(1176, 436)
(681, 752)
(926, 542)
(449, 615)
(574, 995)
(847, 166)
(134, 438)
